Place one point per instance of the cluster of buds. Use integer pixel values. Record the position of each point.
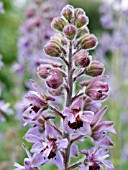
(80, 113)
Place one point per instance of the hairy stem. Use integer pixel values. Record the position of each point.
(69, 102)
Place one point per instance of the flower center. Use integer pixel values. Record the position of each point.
(94, 167)
(77, 124)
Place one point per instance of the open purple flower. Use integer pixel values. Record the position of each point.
(76, 118)
(100, 129)
(4, 110)
(95, 159)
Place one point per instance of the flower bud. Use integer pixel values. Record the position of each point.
(56, 92)
(69, 31)
(79, 11)
(81, 20)
(59, 38)
(82, 59)
(67, 12)
(96, 89)
(95, 69)
(53, 48)
(54, 81)
(43, 71)
(58, 23)
(82, 31)
(88, 41)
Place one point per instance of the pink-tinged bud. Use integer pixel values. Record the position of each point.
(58, 23)
(82, 59)
(67, 12)
(81, 20)
(54, 81)
(69, 31)
(43, 71)
(56, 92)
(79, 11)
(96, 68)
(88, 41)
(82, 31)
(96, 89)
(53, 48)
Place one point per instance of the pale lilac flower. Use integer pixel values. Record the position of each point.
(1, 8)
(95, 158)
(1, 63)
(4, 110)
(100, 129)
(78, 119)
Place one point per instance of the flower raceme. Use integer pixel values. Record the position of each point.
(79, 115)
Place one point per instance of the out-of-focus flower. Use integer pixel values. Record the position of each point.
(4, 110)
(1, 7)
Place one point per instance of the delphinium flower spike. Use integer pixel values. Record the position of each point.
(80, 113)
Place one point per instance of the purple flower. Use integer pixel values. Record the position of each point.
(95, 158)
(96, 89)
(79, 115)
(49, 148)
(100, 129)
(4, 110)
(1, 63)
(1, 8)
(76, 118)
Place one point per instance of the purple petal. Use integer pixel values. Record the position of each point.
(108, 165)
(38, 159)
(32, 138)
(87, 116)
(37, 147)
(99, 116)
(74, 151)
(62, 144)
(58, 160)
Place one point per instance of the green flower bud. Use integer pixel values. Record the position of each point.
(69, 31)
(59, 38)
(67, 12)
(96, 68)
(79, 11)
(82, 31)
(58, 23)
(88, 41)
(54, 49)
(82, 59)
(81, 20)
